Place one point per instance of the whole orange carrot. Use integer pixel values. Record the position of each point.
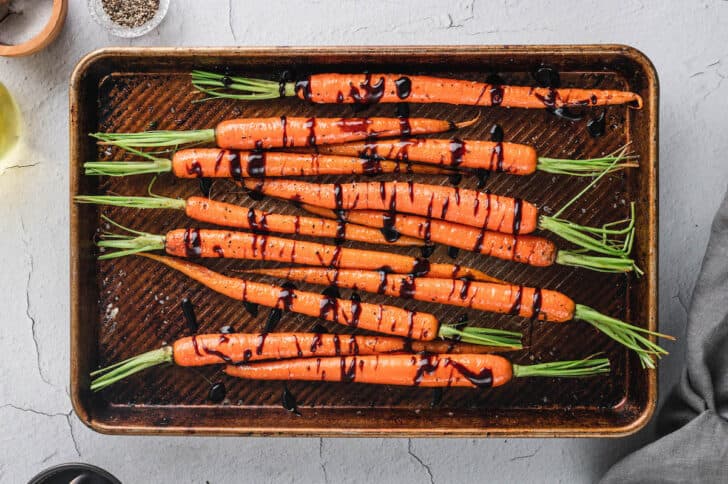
(353, 313)
(220, 213)
(527, 249)
(528, 302)
(486, 211)
(236, 164)
(281, 132)
(372, 88)
(210, 243)
(424, 370)
(236, 348)
(497, 156)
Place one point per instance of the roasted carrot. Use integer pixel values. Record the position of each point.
(281, 132)
(210, 243)
(220, 213)
(527, 249)
(528, 302)
(396, 88)
(236, 348)
(424, 370)
(353, 313)
(235, 164)
(513, 158)
(485, 211)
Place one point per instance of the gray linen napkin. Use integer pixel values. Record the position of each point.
(694, 420)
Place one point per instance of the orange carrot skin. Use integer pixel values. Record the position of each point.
(243, 245)
(374, 317)
(503, 298)
(433, 370)
(210, 349)
(229, 215)
(218, 348)
(280, 132)
(527, 249)
(235, 164)
(516, 159)
(397, 88)
(468, 207)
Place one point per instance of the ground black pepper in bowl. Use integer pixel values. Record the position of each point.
(130, 13)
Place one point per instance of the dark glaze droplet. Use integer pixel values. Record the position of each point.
(355, 312)
(407, 287)
(217, 392)
(227, 329)
(261, 343)
(537, 301)
(311, 126)
(482, 176)
(453, 252)
(251, 308)
(516, 307)
(482, 379)
(193, 244)
(427, 250)
(421, 267)
(367, 93)
(256, 164)
(195, 169)
(403, 112)
(496, 133)
(390, 216)
(546, 76)
(227, 81)
(236, 172)
(205, 186)
(597, 126)
(303, 89)
(339, 97)
(424, 365)
(404, 87)
(348, 374)
(382, 281)
(517, 215)
(464, 288)
(285, 297)
(329, 304)
(455, 179)
(288, 401)
(284, 130)
(457, 150)
(274, 317)
(188, 310)
(285, 78)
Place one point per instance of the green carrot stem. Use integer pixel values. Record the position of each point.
(482, 336)
(155, 139)
(564, 369)
(596, 263)
(132, 202)
(632, 337)
(129, 244)
(242, 88)
(118, 371)
(618, 160)
(125, 168)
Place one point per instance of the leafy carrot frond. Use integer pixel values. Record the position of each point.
(126, 168)
(155, 139)
(129, 244)
(617, 160)
(482, 336)
(632, 337)
(564, 369)
(242, 88)
(132, 202)
(111, 374)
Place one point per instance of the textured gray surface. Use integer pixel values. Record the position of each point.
(686, 41)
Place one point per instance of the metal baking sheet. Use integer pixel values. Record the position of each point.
(125, 306)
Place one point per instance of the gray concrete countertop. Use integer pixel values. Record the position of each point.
(686, 41)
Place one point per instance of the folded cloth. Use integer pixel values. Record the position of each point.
(694, 420)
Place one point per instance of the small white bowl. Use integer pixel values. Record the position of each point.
(96, 9)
